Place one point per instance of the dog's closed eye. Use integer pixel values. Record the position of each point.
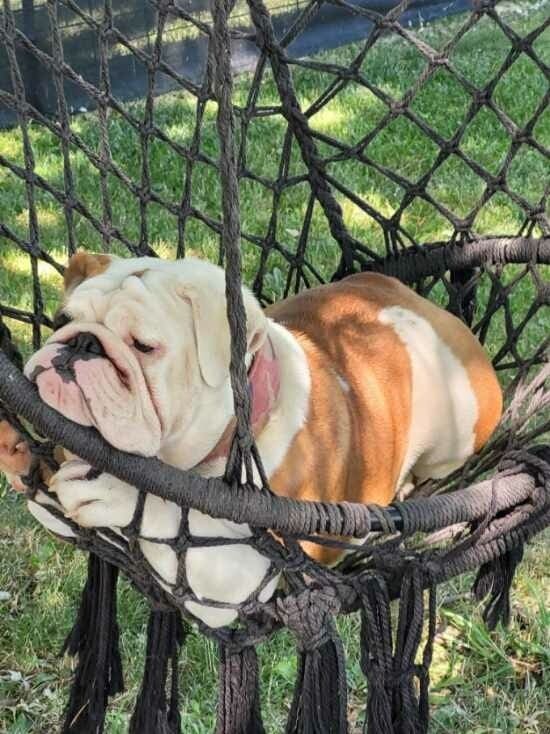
(61, 319)
(141, 347)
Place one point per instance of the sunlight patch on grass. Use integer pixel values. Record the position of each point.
(11, 145)
(46, 218)
(361, 224)
(50, 167)
(327, 120)
(500, 214)
(423, 218)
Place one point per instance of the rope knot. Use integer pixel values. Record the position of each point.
(381, 679)
(482, 96)
(308, 615)
(397, 107)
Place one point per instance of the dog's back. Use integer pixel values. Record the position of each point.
(402, 390)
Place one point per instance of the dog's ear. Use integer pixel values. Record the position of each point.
(211, 327)
(83, 265)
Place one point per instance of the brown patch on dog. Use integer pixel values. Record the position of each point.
(355, 438)
(458, 337)
(15, 456)
(354, 441)
(84, 265)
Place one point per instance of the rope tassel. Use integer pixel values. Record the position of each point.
(410, 702)
(395, 704)
(377, 655)
(239, 696)
(495, 580)
(319, 704)
(320, 697)
(95, 639)
(165, 635)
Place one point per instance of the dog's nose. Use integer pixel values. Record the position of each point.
(86, 343)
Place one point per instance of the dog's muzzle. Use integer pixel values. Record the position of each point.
(82, 346)
(92, 377)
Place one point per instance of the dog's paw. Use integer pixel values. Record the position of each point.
(41, 509)
(93, 501)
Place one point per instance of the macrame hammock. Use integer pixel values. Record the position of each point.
(501, 497)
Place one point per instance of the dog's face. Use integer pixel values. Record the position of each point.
(144, 355)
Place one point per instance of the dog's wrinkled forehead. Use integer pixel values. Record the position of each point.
(92, 280)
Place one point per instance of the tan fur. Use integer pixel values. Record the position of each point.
(16, 458)
(12, 460)
(83, 265)
(353, 443)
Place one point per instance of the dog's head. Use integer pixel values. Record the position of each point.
(142, 353)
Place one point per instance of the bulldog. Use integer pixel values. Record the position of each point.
(359, 389)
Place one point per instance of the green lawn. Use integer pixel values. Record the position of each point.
(482, 683)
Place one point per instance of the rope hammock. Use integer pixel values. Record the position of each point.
(502, 494)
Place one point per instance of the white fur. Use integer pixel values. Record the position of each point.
(226, 573)
(229, 573)
(218, 617)
(161, 519)
(112, 503)
(182, 305)
(39, 510)
(204, 526)
(291, 409)
(444, 405)
(234, 572)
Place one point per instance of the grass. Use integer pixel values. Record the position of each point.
(482, 682)
(392, 65)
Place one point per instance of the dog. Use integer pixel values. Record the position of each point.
(359, 390)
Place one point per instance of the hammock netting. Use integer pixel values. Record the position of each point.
(501, 496)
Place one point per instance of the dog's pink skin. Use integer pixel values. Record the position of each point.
(65, 397)
(264, 380)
